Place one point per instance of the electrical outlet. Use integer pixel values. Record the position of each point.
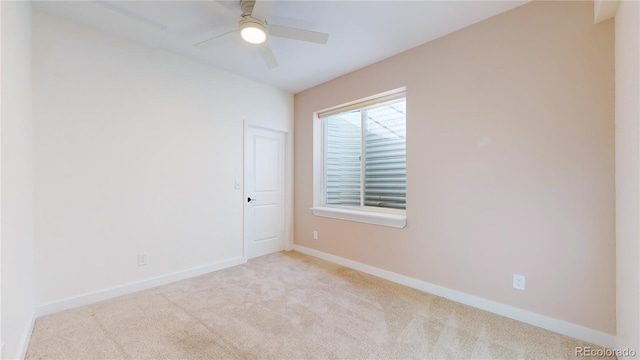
(142, 259)
(315, 235)
(237, 185)
(518, 282)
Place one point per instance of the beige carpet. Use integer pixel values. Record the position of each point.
(288, 306)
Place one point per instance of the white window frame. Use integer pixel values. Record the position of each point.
(396, 218)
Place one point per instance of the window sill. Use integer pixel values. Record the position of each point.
(391, 220)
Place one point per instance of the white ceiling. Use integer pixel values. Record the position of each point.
(360, 32)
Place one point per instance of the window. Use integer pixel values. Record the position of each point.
(361, 148)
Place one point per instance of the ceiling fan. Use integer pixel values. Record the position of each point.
(254, 29)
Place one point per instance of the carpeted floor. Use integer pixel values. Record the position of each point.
(288, 306)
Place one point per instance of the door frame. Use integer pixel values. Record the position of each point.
(288, 187)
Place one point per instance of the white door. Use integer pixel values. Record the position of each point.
(264, 211)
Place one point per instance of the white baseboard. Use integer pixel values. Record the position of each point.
(26, 338)
(542, 321)
(93, 297)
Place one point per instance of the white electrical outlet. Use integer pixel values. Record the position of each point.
(237, 185)
(519, 282)
(315, 235)
(142, 259)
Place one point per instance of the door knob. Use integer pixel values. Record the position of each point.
(250, 199)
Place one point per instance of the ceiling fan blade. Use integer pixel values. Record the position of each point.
(267, 55)
(298, 34)
(223, 10)
(262, 8)
(213, 41)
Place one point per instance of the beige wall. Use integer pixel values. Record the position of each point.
(17, 179)
(628, 174)
(537, 200)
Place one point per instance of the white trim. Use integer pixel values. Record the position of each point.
(369, 217)
(26, 338)
(377, 99)
(318, 161)
(116, 291)
(604, 10)
(542, 321)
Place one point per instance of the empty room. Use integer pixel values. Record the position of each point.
(320, 179)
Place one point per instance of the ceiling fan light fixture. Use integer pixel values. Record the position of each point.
(253, 32)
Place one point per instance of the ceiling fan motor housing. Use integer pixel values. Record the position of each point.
(247, 7)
